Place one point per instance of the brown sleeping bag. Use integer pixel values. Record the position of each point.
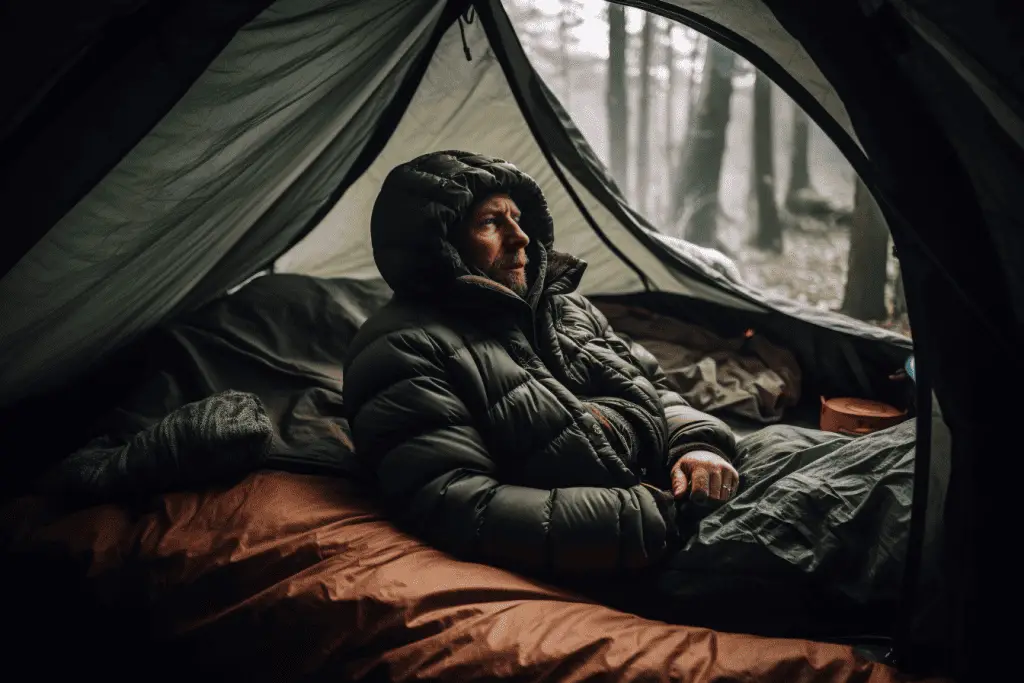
(289, 577)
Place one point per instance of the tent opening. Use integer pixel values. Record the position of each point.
(697, 139)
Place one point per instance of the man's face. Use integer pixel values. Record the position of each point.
(492, 241)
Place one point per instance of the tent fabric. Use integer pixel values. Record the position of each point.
(1003, 103)
(250, 151)
(81, 88)
(927, 612)
(984, 37)
(975, 130)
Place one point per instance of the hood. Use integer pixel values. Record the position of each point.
(423, 199)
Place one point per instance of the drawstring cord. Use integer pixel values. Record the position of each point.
(468, 17)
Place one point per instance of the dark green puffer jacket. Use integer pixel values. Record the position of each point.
(466, 402)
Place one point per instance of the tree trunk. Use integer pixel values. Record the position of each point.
(670, 136)
(699, 54)
(618, 104)
(685, 113)
(899, 298)
(643, 143)
(700, 168)
(799, 170)
(768, 233)
(563, 54)
(864, 298)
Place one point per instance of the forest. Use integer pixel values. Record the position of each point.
(709, 149)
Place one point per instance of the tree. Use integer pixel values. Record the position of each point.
(768, 233)
(530, 23)
(670, 97)
(569, 17)
(700, 166)
(799, 171)
(618, 105)
(694, 60)
(698, 60)
(643, 160)
(801, 197)
(864, 298)
(899, 297)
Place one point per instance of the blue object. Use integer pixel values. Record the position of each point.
(911, 369)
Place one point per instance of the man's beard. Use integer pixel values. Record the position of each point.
(513, 279)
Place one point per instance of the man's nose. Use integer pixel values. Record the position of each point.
(515, 236)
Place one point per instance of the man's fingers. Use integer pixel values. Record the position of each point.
(715, 484)
(709, 476)
(679, 483)
(729, 483)
(701, 485)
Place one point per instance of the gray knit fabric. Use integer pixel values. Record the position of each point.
(225, 435)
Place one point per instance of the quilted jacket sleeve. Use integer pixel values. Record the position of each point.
(688, 428)
(417, 436)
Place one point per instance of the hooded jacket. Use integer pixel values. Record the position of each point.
(473, 408)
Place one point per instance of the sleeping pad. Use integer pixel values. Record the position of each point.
(287, 577)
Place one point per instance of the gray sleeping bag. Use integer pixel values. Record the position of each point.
(816, 536)
(813, 545)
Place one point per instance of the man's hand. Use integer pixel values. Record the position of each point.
(707, 474)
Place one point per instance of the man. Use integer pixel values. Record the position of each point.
(504, 421)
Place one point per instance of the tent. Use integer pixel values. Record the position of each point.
(154, 155)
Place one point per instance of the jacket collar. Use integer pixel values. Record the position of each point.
(564, 273)
(559, 273)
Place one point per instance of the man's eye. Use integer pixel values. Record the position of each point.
(493, 220)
